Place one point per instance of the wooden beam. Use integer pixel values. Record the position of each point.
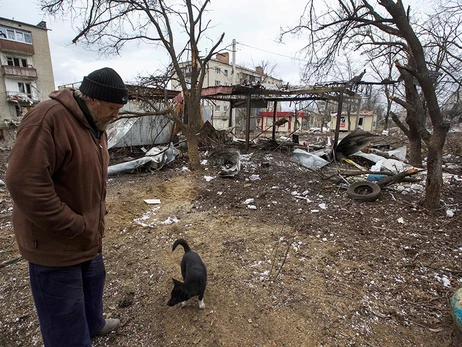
(337, 125)
(247, 123)
(274, 120)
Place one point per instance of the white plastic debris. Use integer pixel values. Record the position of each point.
(155, 159)
(450, 213)
(399, 153)
(162, 156)
(144, 162)
(152, 201)
(308, 160)
(302, 198)
(248, 201)
(417, 187)
(170, 220)
(209, 178)
(444, 279)
(254, 177)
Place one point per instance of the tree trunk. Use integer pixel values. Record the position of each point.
(435, 166)
(387, 117)
(193, 153)
(434, 172)
(192, 128)
(415, 147)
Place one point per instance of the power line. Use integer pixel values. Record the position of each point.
(74, 49)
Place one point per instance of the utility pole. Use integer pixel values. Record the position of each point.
(234, 62)
(232, 116)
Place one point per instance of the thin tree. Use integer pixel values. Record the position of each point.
(354, 24)
(110, 25)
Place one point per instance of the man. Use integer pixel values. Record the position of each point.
(56, 175)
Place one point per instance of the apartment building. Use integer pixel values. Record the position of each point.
(26, 74)
(219, 72)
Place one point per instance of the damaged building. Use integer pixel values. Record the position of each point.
(223, 72)
(26, 70)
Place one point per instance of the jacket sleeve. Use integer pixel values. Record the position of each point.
(29, 178)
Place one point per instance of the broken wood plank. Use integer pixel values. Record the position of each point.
(397, 178)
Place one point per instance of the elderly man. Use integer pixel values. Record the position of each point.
(56, 175)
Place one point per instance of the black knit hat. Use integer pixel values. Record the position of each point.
(105, 84)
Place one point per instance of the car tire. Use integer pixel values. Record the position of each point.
(364, 191)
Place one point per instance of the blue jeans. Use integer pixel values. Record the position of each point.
(69, 302)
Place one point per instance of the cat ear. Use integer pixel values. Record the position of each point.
(175, 281)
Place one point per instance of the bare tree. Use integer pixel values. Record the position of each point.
(444, 50)
(112, 24)
(265, 70)
(354, 24)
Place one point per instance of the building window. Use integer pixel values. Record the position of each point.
(16, 62)
(217, 107)
(218, 70)
(226, 72)
(15, 35)
(25, 88)
(18, 110)
(225, 108)
(217, 83)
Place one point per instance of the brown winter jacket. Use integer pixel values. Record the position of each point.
(56, 175)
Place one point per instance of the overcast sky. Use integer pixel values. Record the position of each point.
(254, 24)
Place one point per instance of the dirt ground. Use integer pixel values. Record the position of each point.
(300, 265)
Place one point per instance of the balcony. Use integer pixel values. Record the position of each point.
(22, 98)
(19, 71)
(16, 47)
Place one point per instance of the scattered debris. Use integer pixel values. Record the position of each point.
(155, 159)
(10, 262)
(130, 166)
(162, 156)
(376, 177)
(398, 153)
(152, 201)
(353, 143)
(364, 191)
(209, 137)
(228, 160)
(170, 220)
(254, 177)
(349, 161)
(209, 178)
(308, 160)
